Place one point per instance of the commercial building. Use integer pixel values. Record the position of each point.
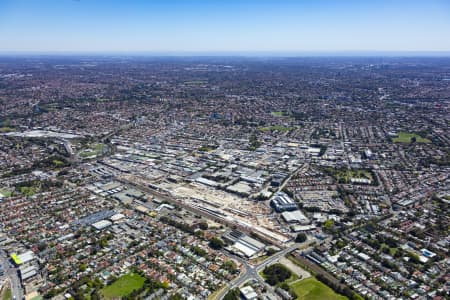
(23, 258)
(248, 293)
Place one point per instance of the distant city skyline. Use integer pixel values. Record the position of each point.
(226, 27)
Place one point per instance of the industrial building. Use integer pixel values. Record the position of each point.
(23, 258)
(243, 245)
(277, 179)
(282, 202)
(102, 224)
(27, 272)
(295, 216)
(117, 217)
(300, 228)
(164, 206)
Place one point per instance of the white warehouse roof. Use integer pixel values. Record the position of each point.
(101, 224)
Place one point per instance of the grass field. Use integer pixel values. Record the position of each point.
(93, 150)
(405, 137)
(57, 163)
(6, 129)
(196, 82)
(7, 295)
(313, 289)
(5, 193)
(123, 286)
(275, 127)
(206, 149)
(277, 113)
(28, 190)
(346, 174)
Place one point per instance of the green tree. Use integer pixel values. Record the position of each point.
(253, 142)
(414, 257)
(271, 251)
(328, 224)
(83, 267)
(301, 237)
(203, 225)
(276, 273)
(176, 297)
(198, 251)
(95, 296)
(230, 266)
(232, 295)
(216, 243)
(285, 286)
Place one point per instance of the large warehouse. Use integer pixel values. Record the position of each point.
(101, 224)
(243, 244)
(282, 202)
(295, 216)
(23, 258)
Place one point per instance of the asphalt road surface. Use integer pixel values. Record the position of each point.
(252, 272)
(11, 274)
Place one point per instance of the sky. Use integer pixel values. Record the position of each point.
(170, 26)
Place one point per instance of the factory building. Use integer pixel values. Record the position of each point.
(295, 216)
(27, 272)
(282, 202)
(243, 245)
(102, 224)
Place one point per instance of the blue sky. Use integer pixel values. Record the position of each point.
(224, 25)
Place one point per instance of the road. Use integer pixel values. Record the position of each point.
(11, 273)
(302, 168)
(252, 272)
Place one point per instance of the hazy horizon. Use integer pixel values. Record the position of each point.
(243, 54)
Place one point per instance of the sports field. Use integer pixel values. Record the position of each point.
(405, 137)
(312, 289)
(123, 286)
